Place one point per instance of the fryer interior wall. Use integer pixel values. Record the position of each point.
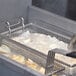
(36, 13)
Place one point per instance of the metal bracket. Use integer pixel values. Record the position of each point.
(50, 63)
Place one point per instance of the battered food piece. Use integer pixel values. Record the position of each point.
(28, 62)
(35, 66)
(18, 58)
(5, 50)
(21, 59)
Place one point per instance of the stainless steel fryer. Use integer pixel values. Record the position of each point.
(33, 16)
(51, 68)
(13, 32)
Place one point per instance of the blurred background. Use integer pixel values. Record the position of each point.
(65, 8)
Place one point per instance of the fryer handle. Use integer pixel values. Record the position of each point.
(9, 26)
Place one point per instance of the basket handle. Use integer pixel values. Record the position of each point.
(9, 26)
